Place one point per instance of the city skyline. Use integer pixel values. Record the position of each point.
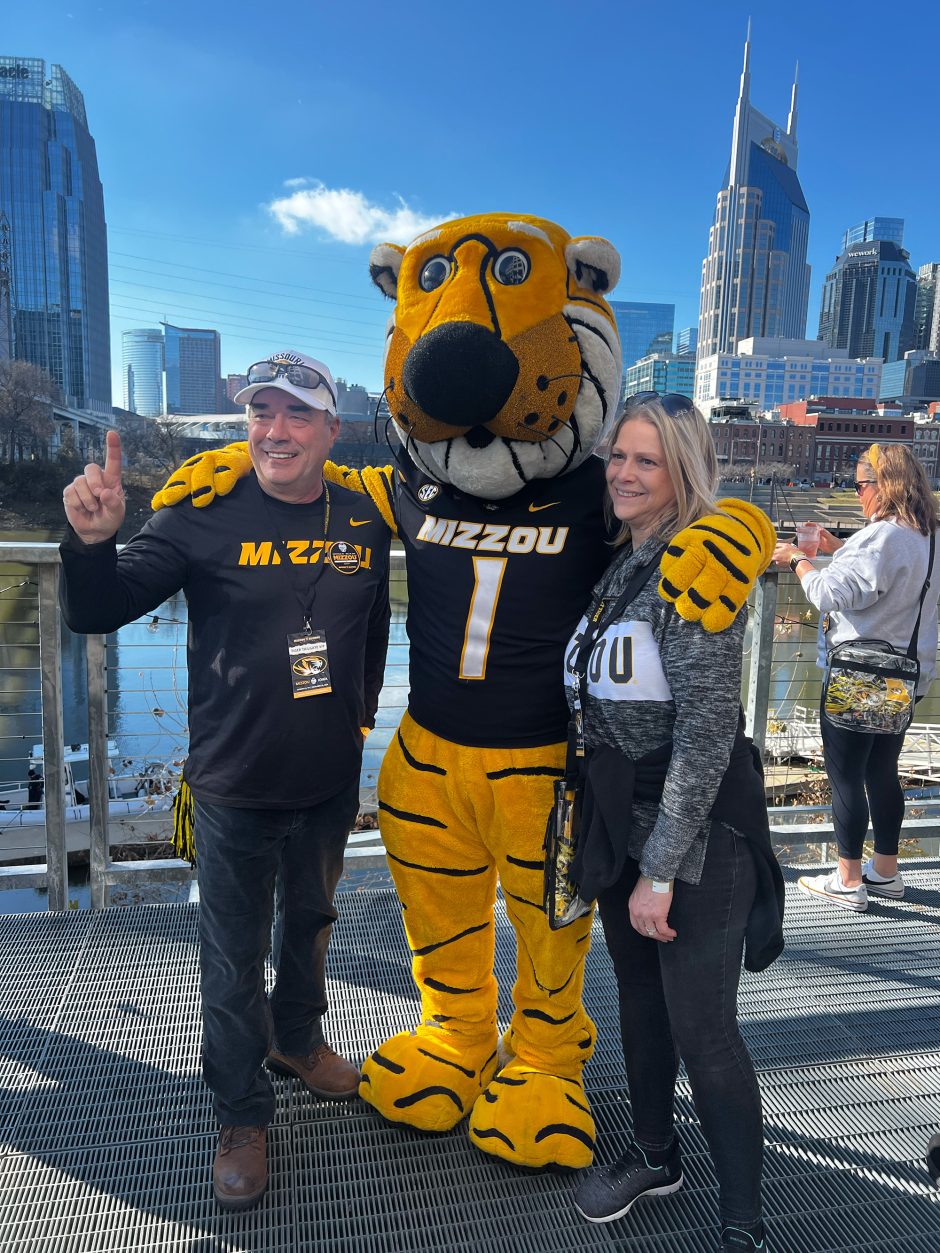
(268, 199)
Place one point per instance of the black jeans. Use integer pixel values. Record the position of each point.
(863, 771)
(240, 853)
(681, 999)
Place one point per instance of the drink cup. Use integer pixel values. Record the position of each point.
(807, 538)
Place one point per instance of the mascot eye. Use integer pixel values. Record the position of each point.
(511, 267)
(435, 273)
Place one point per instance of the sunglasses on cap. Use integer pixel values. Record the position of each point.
(673, 402)
(300, 375)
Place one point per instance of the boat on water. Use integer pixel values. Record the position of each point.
(133, 793)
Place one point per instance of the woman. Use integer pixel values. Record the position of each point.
(675, 842)
(871, 590)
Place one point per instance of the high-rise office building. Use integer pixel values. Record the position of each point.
(192, 359)
(772, 372)
(52, 203)
(890, 229)
(142, 370)
(643, 328)
(868, 301)
(687, 339)
(662, 372)
(755, 280)
(927, 308)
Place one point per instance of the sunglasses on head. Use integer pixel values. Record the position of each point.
(673, 402)
(300, 375)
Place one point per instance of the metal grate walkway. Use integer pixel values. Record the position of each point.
(107, 1134)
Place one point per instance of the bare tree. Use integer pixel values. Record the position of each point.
(154, 443)
(27, 393)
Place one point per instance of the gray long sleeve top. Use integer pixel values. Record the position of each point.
(871, 589)
(653, 678)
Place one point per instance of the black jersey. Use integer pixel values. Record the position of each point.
(252, 569)
(497, 588)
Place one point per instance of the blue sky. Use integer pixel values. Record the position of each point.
(611, 118)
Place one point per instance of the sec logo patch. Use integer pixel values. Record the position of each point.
(427, 492)
(344, 558)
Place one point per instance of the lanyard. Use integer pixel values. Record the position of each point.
(605, 613)
(305, 592)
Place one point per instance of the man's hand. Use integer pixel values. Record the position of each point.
(710, 567)
(94, 502)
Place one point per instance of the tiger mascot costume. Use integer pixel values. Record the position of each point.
(502, 365)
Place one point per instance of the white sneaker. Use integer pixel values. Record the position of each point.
(892, 888)
(831, 888)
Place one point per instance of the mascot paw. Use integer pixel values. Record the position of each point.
(534, 1119)
(710, 567)
(205, 476)
(427, 1078)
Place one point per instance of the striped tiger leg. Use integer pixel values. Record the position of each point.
(446, 881)
(535, 1112)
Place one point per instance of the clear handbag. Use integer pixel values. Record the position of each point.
(870, 686)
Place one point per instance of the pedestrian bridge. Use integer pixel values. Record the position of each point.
(107, 1135)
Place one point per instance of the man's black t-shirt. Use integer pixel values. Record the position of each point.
(246, 566)
(498, 587)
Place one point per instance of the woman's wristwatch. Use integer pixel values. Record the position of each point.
(796, 559)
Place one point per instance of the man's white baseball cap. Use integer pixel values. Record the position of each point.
(304, 377)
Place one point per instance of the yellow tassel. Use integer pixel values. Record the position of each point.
(184, 844)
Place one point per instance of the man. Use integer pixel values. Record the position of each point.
(287, 586)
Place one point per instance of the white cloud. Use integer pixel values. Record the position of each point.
(347, 215)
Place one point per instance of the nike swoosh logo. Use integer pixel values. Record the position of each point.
(538, 508)
(364, 522)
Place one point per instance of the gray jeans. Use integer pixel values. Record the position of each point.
(241, 852)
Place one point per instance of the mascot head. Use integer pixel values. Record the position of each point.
(502, 359)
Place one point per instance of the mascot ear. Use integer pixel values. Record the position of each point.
(594, 263)
(384, 264)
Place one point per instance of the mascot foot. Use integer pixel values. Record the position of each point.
(534, 1119)
(428, 1078)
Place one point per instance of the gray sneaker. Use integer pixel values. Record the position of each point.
(829, 887)
(892, 888)
(608, 1192)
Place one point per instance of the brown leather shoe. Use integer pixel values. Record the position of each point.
(240, 1171)
(322, 1072)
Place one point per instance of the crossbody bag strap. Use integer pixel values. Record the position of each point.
(912, 647)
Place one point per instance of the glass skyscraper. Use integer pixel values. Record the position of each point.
(643, 329)
(755, 280)
(868, 301)
(192, 359)
(56, 289)
(142, 369)
(927, 308)
(891, 229)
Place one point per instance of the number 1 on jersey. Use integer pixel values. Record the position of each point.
(487, 580)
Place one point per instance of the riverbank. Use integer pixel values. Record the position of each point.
(24, 513)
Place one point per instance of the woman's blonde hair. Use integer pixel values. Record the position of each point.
(691, 462)
(902, 487)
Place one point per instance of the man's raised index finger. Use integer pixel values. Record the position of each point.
(112, 459)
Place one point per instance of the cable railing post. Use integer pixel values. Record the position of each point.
(53, 737)
(762, 642)
(98, 810)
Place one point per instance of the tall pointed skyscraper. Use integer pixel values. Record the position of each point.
(53, 238)
(755, 280)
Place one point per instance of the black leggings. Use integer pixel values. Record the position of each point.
(682, 998)
(863, 771)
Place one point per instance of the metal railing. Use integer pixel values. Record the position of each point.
(768, 655)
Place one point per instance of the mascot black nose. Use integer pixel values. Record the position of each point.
(460, 373)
